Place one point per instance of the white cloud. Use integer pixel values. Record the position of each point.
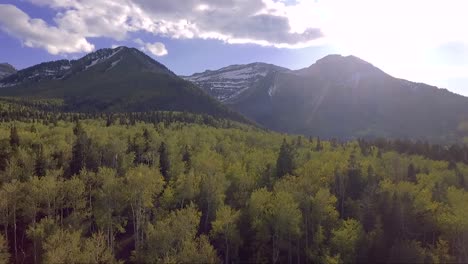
(386, 32)
(139, 41)
(156, 48)
(36, 32)
(262, 22)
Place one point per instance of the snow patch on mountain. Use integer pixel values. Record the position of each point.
(98, 58)
(114, 63)
(229, 82)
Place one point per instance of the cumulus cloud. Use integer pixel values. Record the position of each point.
(156, 48)
(262, 22)
(36, 32)
(362, 27)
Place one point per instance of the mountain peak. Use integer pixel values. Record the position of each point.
(6, 69)
(123, 59)
(336, 66)
(121, 79)
(337, 58)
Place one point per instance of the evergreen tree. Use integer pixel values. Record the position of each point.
(461, 179)
(187, 159)
(147, 138)
(109, 120)
(354, 186)
(5, 153)
(411, 173)
(79, 150)
(299, 141)
(379, 154)
(14, 138)
(319, 146)
(40, 162)
(78, 129)
(164, 162)
(284, 163)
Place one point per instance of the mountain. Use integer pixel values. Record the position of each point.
(120, 79)
(227, 83)
(6, 70)
(346, 97)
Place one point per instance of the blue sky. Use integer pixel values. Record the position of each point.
(194, 35)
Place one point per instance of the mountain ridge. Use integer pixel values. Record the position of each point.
(113, 80)
(346, 97)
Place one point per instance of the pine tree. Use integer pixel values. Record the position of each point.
(411, 173)
(379, 154)
(40, 163)
(110, 120)
(284, 164)
(354, 186)
(319, 146)
(461, 179)
(299, 141)
(14, 138)
(187, 159)
(164, 162)
(146, 137)
(78, 129)
(79, 150)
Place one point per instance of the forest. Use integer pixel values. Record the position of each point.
(164, 187)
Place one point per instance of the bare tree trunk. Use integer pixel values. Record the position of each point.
(226, 257)
(34, 240)
(135, 230)
(205, 224)
(6, 227)
(306, 220)
(14, 233)
(289, 249)
(298, 250)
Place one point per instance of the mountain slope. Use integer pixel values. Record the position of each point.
(346, 97)
(121, 79)
(6, 70)
(229, 82)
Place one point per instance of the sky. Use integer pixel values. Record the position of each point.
(418, 40)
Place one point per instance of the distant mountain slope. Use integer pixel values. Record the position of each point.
(227, 83)
(6, 70)
(346, 97)
(121, 79)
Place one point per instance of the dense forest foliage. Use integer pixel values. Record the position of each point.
(162, 187)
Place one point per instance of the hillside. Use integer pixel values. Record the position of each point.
(346, 97)
(112, 80)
